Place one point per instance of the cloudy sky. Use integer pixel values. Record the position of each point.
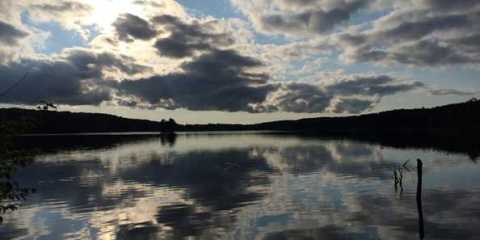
(238, 60)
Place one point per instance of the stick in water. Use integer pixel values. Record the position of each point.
(421, 231)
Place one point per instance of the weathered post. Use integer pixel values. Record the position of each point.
(421, 230)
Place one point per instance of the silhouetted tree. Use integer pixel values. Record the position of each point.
(169, 125)
(44, 105)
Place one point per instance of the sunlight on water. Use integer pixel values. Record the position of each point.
(242, 186)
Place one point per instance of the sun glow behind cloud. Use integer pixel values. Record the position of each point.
(167, 53)
(107, 11)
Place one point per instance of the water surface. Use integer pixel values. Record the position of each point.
(240, 186)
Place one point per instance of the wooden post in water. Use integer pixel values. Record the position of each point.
(421, 230)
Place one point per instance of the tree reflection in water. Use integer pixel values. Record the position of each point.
(239, 187)
(16, 153)
(11, 193)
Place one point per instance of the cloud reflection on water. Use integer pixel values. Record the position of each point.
(242, 187)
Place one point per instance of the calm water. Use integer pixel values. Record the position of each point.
(241, 186)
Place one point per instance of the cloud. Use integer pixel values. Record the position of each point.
(10, 34)
(57, 81)
(94, 63)
(446, 5)
(72, 15)
(353, 105)
(417, 33)
(312, 20)
(74, 78)
(219, 80)
(423, 53)
(437, 33)
(430, 53)
(154, 7)
(199, 63)
(129, 27)
(16, 38)
(336, 92)
(299, 17)
(223, 80)
(186, 39)
(381, 85)
(294, 97)
(443, 92)
(63, 6)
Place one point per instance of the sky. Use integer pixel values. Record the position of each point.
(238, 61)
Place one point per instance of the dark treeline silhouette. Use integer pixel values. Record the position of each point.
(461, 119)
(52, 122)
(448, 121)
(453, 128)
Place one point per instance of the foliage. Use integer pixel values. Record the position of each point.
(11, 193)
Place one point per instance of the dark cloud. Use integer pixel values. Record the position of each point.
(366, 54)
(302, 17)
(57, 81)
(439, 34)
(370, 86)
(443, 92)
(304, 98)
(224, 80)
(218, 78)
(469, 42)
(129, 27)
(448, 5)
(353, 105)
(185, 39)
(352, 39)
(215, 81)
(357, 94)
(9, 34)
(298, 3)
(311, 20)
(93, 63)
(425, 53)
(63, 6)
(295, 97)
(430, 53)
(425, 33)
(413, 30)
(74, 79)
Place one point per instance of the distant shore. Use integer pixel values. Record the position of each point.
(454, 120)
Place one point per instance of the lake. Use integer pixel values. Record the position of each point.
(240, 186)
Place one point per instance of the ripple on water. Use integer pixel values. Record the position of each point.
(248, 188)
